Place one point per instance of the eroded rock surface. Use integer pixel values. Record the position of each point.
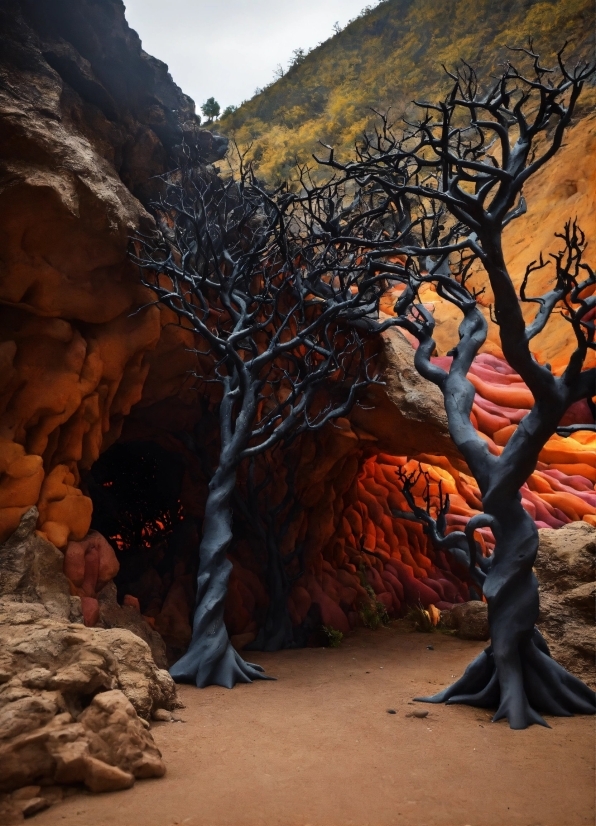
(113, 615)
(565, 570)
(74, 701)
(406, 414)
(87, 122)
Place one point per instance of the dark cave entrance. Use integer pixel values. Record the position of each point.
(136, 490)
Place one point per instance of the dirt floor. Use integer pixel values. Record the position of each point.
(319, 748)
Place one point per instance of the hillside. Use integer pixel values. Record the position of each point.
(388, 57)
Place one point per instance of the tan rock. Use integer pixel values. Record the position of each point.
(406, 414)
(116, 735)
(469, 619)
(78, 661)
(69, 695)
(101, 777)
(112, 615)
(26, 793)
(33, 806)
(106, 749)
(565, 571)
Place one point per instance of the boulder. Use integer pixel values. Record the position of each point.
(469, 619)
(112, 615)
(106, 747)
(405, 413)
(51, 654)
(74, 700)
(565, 571)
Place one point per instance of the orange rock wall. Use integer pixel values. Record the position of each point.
(77, 338)
(349, 489)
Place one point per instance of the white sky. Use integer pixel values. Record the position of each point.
(228, 48)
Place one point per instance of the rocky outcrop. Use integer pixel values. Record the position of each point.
(405, 413)
(41, 624)
(128, 616)
(106, 748)
(74, 701)
(565, 570)
(46, 653)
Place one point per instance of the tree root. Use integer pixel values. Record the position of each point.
(539, 685)
(226, 670)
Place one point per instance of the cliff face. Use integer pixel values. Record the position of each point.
(87, 119)
(563, 190)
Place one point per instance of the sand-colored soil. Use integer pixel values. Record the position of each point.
(318, 747)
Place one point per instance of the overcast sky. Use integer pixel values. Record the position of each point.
(228, 48)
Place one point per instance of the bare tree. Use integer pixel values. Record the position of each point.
(279, 330)
(460, 545)
(453, 181)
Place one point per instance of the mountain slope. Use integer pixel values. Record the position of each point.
(387, 58)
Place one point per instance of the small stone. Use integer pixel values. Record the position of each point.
(162, 715)
(469, 618)
(391, 711)
(26, 793)
(430, 647)
(33, 806)
(36, 678)
(101, 777)
(420, 714)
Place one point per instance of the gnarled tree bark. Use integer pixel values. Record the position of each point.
(454, 181)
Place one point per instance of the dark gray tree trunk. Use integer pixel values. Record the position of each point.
(516, 673)
(211, 659)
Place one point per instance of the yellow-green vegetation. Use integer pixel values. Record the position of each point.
(387, 58)
(334, 636)
(372, 612)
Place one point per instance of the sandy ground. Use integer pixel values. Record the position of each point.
(318, 748)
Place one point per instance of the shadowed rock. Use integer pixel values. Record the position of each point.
(565, 571)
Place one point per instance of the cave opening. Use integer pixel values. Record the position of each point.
(353, 559)
(136, 489)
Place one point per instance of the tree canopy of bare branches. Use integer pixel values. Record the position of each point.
(447, 186)
(276, 318)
